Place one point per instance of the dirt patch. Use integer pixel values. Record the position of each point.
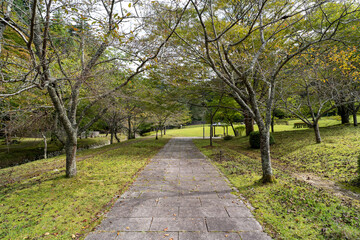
(208, 146)
(327, 185)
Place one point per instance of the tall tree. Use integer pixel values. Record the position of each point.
(64, 74)
(247, 44)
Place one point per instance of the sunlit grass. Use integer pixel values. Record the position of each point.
(198, 130)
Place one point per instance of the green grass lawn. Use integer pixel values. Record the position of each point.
(38, 202)
(30, 149)
(197, 130)
(290, 208)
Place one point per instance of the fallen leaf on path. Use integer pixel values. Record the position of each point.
(165, 229)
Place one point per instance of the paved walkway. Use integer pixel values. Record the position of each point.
(179, 195)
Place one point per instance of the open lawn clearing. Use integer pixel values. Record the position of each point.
(50, 206)
(290, 208)
(197, 130)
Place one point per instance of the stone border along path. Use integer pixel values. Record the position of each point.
(179, 195)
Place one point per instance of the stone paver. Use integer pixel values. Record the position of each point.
(180, 195)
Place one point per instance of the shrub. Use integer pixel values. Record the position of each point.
(144, 129)
(240, 130)
(228, 137)
(254, 140)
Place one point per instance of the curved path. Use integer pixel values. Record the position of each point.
(179, 195)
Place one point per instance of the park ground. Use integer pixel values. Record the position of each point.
(38, 202)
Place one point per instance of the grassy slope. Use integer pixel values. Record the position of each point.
(49, 206)
(31, 149)
(292, 209)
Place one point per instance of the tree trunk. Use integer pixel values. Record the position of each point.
(317, 132)
(164, 130)
(70, 149)
(161, 131)
(116, 137)
(355, 118)
(211, 134)
(203, 131)
(249, 123)
(130, 135)
(354, 112)
(272, 122)
(45, 145)
(3, 24)
(268, 176)
(232, 126)
(112, 135)
(157, 129)
(343, 111)
(211, 130)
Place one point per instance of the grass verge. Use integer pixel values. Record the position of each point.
(50, 206)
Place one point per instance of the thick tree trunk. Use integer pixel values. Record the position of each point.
(161, 131)
(70, 149)
(156, 137)
(164, 130)
(317, 132)
(268, 176)
(344, 113)
(249, 123)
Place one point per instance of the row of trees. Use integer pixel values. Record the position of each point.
(247, 57)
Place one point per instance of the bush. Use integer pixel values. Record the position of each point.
(254, 140)
(228, 137)
(144, 129)
(240, 130)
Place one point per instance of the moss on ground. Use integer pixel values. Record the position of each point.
(50, 206)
